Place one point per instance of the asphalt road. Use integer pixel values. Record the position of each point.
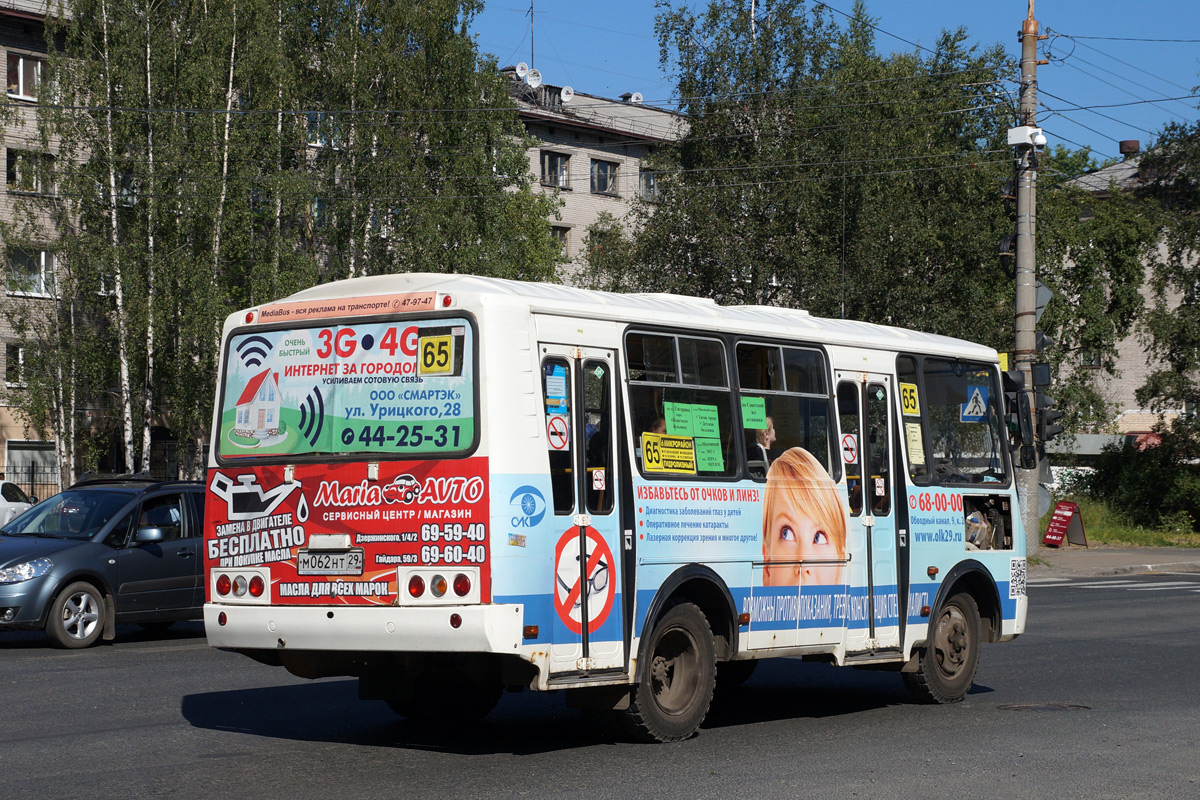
(1096, 700)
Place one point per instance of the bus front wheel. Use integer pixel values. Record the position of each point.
(946, 668)
(678, 674)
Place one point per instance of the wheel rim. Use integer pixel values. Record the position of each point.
(81, 615)
(952, 642)
(675, 671)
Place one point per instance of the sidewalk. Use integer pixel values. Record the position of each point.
(1098, 560)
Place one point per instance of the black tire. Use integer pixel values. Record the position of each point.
(947, 664)
(678, 672)
(76, 617)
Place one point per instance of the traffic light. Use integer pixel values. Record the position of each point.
(1047, 419)
(1018, 419)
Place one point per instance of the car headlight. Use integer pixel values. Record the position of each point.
(27, 571)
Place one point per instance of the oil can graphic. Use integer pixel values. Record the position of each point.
(247, 500)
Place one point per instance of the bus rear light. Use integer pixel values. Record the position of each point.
(455, 621)
(223, 584)
(240, 586)
(257, 586)
(445, 586)
(447, 301)
(249, 317)
(222, 619)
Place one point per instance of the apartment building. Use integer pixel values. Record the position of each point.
(29, 269)
(1134, 362)
(590, 152)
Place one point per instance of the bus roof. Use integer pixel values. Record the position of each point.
(662, 308)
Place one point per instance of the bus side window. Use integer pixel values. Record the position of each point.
(597, 394)
(848, 413)
(556, 388)
(878, 450)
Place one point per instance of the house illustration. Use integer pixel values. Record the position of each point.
(258, 407)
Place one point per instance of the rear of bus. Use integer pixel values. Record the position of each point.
(347, 502)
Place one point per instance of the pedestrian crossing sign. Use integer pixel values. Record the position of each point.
(975, 409)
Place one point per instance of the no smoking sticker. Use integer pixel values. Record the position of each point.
(849, 448)
(569, 581)
(556, 432)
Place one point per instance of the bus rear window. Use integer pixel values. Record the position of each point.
(392, 389)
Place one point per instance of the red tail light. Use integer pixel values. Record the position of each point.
(462, 585)
(223, 585)
(257, 586)
(416, 586)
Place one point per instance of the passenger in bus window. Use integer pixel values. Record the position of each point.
(766, 439)
(804, 525)
(659, 426)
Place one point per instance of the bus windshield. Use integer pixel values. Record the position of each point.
(398, 389)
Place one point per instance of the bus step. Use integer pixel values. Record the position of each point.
(575, 678)
(882, 656)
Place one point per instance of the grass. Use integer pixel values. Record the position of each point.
(1103, 525)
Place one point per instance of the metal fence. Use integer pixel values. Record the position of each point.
(36, 480)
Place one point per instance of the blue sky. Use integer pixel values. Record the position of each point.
(608, 48)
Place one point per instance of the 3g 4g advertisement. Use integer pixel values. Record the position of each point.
(403, 388)
(331, 536)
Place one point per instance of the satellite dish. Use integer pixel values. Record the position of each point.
(636, 98)
(565, 94)
(522, 68)
(533, 78)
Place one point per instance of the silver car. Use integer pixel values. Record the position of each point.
(101, 553)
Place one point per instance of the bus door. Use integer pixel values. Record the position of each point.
(580, 396)
(865, 438)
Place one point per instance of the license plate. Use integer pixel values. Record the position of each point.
(330, 562)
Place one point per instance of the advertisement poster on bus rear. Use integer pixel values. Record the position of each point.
(329, 535)
(391, 389)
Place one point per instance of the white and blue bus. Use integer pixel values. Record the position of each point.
(449, 485)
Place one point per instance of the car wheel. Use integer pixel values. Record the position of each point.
(77, 616)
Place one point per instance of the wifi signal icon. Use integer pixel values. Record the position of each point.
(312, 416)
(254, 349)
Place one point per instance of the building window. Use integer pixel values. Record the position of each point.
(562, 235)
(648, 186)
(25, 74)
(1090, 359)
(14, 365)
(31, 172)
(31, 271)
(604, 177)
(555, 169)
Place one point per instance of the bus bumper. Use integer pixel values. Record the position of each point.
(483, 628)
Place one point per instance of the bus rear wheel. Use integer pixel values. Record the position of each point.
(946, 668)
(678, 674)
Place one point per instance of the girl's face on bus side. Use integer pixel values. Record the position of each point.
(793, 536)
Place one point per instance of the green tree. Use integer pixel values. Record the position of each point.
(221, 154)
(1172, 328)
(820, 174)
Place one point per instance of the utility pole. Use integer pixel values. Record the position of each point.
(1028, 139)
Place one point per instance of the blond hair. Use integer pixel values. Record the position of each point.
(799, 480)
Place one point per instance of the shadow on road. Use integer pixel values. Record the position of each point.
(528, 723)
